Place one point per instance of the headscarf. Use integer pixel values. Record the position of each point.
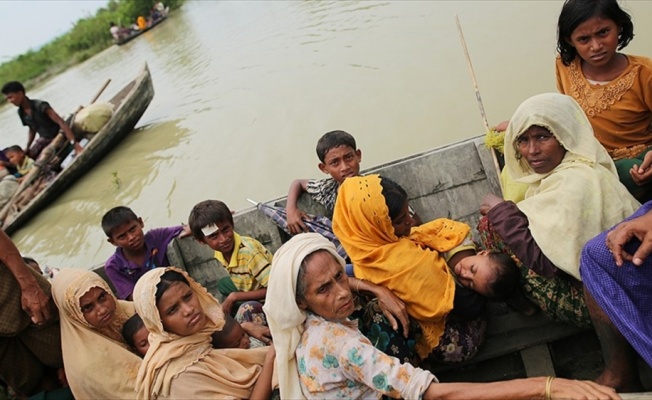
(284, 316)
(409, 266)
(579, 198)
(230, 372)
(98, 362)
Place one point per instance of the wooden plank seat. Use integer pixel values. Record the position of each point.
(512, 332)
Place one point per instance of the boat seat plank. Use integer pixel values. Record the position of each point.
(537, 361)
(515, 332)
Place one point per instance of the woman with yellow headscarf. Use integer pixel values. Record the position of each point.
(573, 194)
(372, 222)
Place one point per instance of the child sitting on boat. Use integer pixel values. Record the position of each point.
(20, 160)
(136, 252)
(340, 158)
(245, 258)
(8, 183)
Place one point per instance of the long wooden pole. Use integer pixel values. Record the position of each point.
(36, 169)
(478, 98)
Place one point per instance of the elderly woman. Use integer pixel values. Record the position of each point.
(615, 267)
(573, 194)
(98, 361)
(180, 316)
(322, 355)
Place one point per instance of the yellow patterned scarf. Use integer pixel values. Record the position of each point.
(410, 266)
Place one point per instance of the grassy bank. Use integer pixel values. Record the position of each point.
(88, 37)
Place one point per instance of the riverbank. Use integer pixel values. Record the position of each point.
(88, 37)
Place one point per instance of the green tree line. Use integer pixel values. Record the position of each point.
(87, 37)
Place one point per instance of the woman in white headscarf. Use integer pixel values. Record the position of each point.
(573, 194)
(321, 354)
(180, 316)
(98, 362)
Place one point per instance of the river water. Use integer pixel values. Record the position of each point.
(245, 89)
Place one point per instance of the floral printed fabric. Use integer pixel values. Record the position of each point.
(336, 361)
(252, 311)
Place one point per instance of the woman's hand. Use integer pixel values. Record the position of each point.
(489, 202)
(260, 332)
(501, 127)
(571, 389)
(271, 354)
(642, 174)
(393, 308)
(640, 228)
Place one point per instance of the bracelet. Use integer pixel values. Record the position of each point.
(549, 387)
(357, 287)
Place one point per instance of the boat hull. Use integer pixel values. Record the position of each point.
(130, 104)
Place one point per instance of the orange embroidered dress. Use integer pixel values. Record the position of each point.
(620, 111)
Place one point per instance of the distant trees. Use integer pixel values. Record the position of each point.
(87, 37)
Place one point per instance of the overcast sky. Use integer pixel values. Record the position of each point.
(29, 24)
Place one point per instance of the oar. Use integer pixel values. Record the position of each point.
(477, 93)
(35, 171)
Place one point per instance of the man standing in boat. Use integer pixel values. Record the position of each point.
(40, 117)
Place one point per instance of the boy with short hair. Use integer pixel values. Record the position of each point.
(19, 159)
(136, 251)
(246, 259)
(340, 158)
(39, 117)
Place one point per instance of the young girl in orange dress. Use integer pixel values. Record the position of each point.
(614, 89)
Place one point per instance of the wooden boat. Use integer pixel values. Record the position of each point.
(135, 33)
(129, 104)
(450, 182)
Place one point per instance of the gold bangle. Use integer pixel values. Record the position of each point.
(549, 387)
(357, 287)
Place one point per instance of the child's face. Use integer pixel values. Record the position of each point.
(341, 162)
(15, 157)
(236, 339)
(180, 310)
(596, 41)
(141, 341)
(222, 239)
(403, 222)
(98, 307)
(476, 272)
(15, 98)
(129, 236)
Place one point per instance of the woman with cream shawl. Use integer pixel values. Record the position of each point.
(98, 362)
(573, 194)
(187, 367)
(322, 355)
(408, 261)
